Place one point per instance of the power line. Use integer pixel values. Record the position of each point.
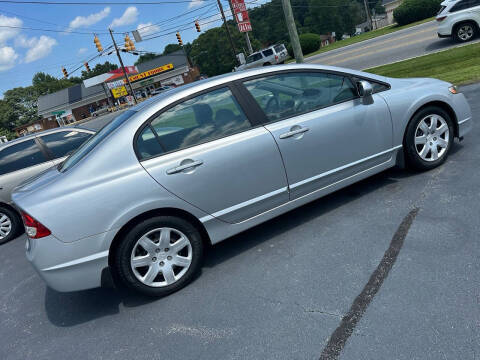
(102, 3)
(51, 30)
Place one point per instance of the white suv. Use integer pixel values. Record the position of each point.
(272, 55)
(459, 19)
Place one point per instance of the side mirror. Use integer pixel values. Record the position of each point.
(365, 89)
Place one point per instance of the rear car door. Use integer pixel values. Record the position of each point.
(207, 152)
(325, 132)
(62, 143)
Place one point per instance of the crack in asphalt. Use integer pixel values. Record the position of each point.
(341, 334)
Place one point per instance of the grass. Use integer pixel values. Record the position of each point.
(362, 37)
(459, 66)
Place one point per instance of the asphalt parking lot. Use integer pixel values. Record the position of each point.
(385, 269)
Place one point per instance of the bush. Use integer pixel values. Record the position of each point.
(415, 10)
(309, 43)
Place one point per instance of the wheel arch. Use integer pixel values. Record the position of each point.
(463, 21)
(157, 212)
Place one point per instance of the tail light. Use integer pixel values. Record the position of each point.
(33, 228)
(276, 57)
(441, 18)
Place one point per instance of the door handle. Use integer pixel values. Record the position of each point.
(184, 166)
(294, 132)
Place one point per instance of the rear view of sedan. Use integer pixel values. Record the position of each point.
(200, 163)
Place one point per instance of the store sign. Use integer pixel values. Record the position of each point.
(241, 15)
(119, 92)
(152, 72)
(176, 80)
(146, 82)
(115, 84)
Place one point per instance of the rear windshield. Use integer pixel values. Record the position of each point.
(94, 140)
(279, 48)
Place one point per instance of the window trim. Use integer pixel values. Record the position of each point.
(266, 121)
(228, 85)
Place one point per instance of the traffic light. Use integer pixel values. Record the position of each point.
(97, 43)
(87, 66)
(65, 73)
(179, 39)
(197, 25)
(129, 45)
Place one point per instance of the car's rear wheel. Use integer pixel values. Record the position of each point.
(464, 32)
(10, 224)
(428, 138)
(159, 256)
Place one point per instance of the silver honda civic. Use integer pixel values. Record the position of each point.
(195, 165)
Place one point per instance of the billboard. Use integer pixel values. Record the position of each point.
(241, 15)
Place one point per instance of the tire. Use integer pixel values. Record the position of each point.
(130, 255)
(267, 64)
(8, 216)
(422, 137)
(464, 32)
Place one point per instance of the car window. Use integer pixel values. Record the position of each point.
(203, 118)
(279, 48)
(464, 4)
(289, 94)
(62, 143)
(254, 57)
(267, 52)
(20, 156)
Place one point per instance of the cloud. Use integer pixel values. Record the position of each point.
(8, 33)
(7, 58)
(38, 47)
(147, 29)
(82, 51)
(129, 17)
(195, 3)
(86, 21)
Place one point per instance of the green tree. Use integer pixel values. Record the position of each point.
(145, 57)
(170, 48)
(99, 69)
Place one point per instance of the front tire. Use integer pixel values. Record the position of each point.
(464, 32)
(10, 224)
(159, 256)
(428, 138)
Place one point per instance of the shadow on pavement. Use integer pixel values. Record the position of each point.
(440, 44)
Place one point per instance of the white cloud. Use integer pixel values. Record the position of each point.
(129, 17)
(86, 21)
(147, 29)
(195, 3)
(82, 51)
(9, 33)
(7, 58)
(38, 47)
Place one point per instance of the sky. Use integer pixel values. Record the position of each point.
(24, 52)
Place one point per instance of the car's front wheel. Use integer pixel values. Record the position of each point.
(159, 256)
(464, 32)
(10, 224)
(428, 138)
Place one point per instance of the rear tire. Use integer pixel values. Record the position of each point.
(158, 256)
(428, 138)
(464, 32)
(267, 64)
(10, 224)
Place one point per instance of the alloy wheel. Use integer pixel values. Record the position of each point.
(5, 226)
(432, 137)
(465, 32)
(161, 257)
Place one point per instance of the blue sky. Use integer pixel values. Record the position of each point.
(24, 52)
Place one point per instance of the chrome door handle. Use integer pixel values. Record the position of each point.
(294, 132)
(184, 166)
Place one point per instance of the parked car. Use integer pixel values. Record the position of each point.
(210, 159)
(272, 55)
(160, 89)
(459, 19)
(28, 156)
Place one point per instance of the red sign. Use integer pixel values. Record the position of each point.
(241, 15)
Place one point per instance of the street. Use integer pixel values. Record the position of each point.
(281, 289)
(400, 45)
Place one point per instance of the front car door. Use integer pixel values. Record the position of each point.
(325, 132)
(204, 150)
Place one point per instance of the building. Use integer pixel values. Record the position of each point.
(389, 6)
(327, 39)
(80, 102)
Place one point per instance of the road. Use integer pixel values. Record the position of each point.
(400, 45)
(98, 122)
(283, 289)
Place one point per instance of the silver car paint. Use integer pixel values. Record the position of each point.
(87, 205)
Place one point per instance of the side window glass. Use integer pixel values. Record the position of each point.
(289, 94)
(62, 143)
(20, 156)
(203, 118)
(267, 52)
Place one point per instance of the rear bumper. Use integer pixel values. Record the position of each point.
(69, 266)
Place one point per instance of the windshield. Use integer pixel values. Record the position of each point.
(94, 140)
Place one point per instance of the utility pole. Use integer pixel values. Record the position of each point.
(123, 67)
(247, 38)
(228, 31)
(367, 12)
(292, 31)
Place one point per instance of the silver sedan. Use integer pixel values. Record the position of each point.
(200, 163)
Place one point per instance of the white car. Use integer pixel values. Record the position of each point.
(275, 54)
(459, 19)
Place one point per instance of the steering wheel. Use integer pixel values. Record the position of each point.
(270, 105)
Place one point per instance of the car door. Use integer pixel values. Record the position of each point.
(206, 151)
(62, 143)
(324, 131)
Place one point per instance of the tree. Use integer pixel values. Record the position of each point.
(47, 84)
(99, 69)
(145, 57)
(170, 48)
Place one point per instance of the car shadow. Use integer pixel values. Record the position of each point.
(440, 44)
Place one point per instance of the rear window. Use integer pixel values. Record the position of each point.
(87, 146)
(268, 52)
(279, 48)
